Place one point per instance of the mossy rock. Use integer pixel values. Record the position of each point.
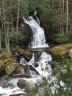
(10, 68)
(61, 51)
(3, 54)
(9, 61)
(24, 52)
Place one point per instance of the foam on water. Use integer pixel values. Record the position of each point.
(44, 67)
(8, 91)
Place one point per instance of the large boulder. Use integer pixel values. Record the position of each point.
(10, 66)
(25, 84)
(61, 51)
(7, 66)
(22, 71)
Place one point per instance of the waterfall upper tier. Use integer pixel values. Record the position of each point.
(38, 38)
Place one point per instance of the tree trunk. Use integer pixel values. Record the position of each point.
(6, 30)
(63, 31)
(0, 39)
(67, 17)
(18, 14)
(0, 29)
(63, 6)
(7, 41)
(60, 17)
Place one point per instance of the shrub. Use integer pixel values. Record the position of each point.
(62, 38)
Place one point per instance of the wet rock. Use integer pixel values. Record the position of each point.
(25, 84)
(36, 65)
(25, 70)
(39, 82)
(33, 69)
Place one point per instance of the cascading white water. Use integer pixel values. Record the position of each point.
(44, 69)
(38, 41)
(38, 38)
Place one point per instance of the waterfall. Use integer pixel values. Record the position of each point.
(43, 68)
(38, 38)
(38, 41)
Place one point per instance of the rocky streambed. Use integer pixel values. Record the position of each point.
(19, 78)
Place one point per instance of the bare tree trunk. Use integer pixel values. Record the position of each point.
(63, 6)
(0, 39)
(60, 17)
(67, 17)
(18, 14)
(6, 30)
(7, 41)
(0, 30)
(63, 1)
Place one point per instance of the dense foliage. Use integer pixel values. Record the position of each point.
(56, 19)
(55, 16)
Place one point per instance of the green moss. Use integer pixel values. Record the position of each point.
(60, 51)
(24, 52)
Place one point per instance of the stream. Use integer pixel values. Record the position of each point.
(44, 61)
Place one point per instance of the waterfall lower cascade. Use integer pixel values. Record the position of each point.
(38, 38)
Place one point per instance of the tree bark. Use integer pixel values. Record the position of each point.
(60, 17)
(63, 6)
(6, 30)
(7, 41)
(18, 14)
(67, 17)
(0, 28)
(0, 39)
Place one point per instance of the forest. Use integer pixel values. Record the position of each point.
(55, 19)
